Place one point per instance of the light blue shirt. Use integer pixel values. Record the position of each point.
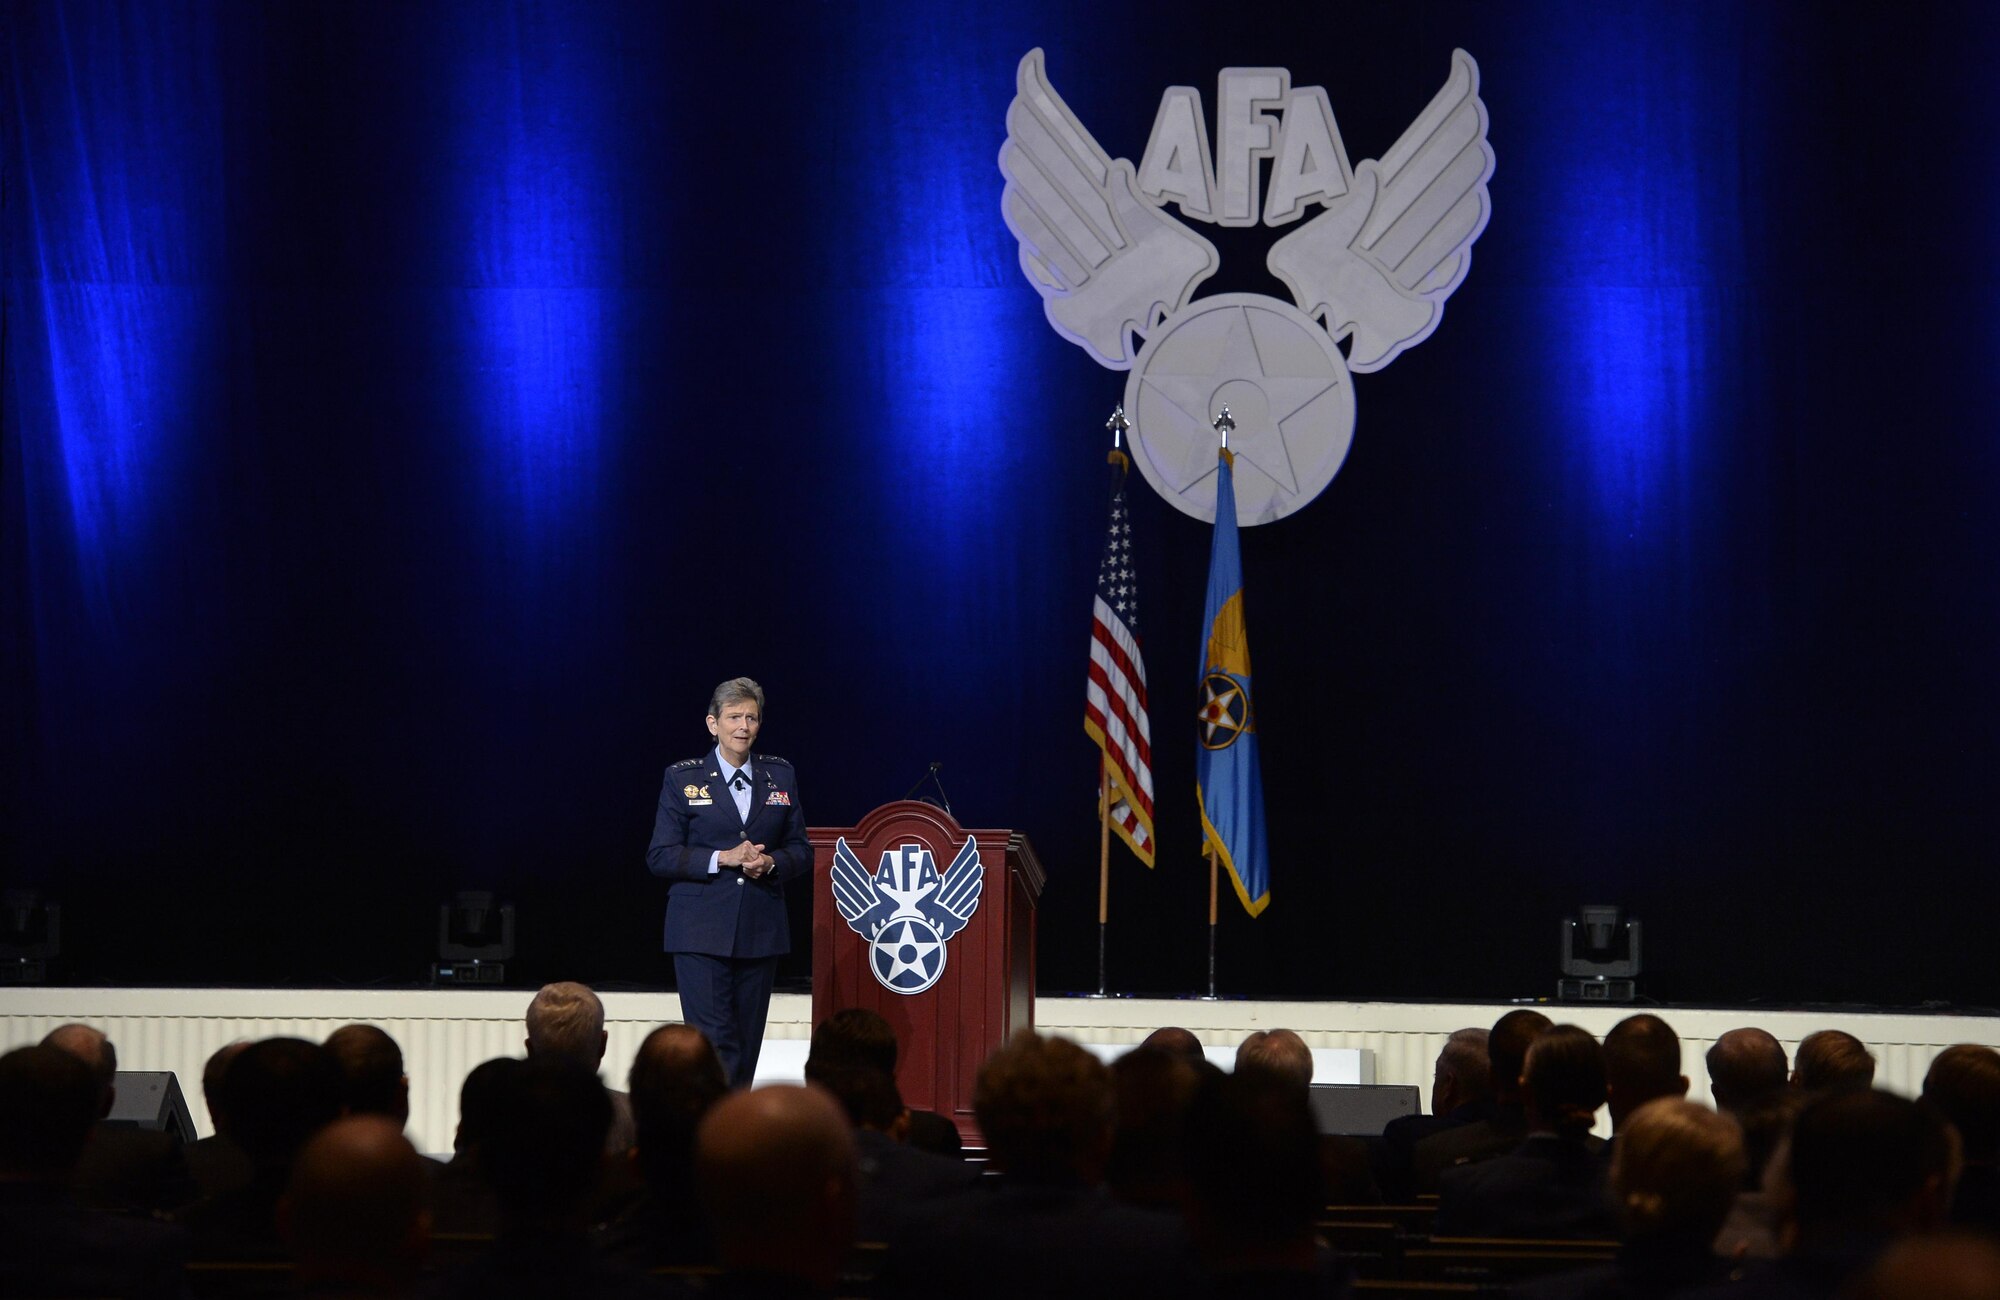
(741, 796)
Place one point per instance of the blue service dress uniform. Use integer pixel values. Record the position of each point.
(725, 930)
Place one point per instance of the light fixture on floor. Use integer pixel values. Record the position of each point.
(475, 939)
(1600, 956)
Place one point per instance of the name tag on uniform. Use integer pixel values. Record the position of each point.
(700, 803)
(779, 798)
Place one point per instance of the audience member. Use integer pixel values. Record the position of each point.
(1175, 1041)
(1278, 1052)
(543, 1158)
(462, 1199)
(567, 1020)
(1552, 1184)
(1642, 1063)
(353, 1213)
(1744, 1067)
(1154, 1089)
(124, 1167)
(1674, 1174)
(371, 1072)
(1756, 1222)
(676, 1078)
(1863, 1167)
(1832, 1059)
(1934, 1266)
(1963, 1084)
(1502, 1131)
(281, 1091)
(49, 1243)
(1255, 1189)
(776, 1167)
(1461, 1093)
(894, 1176)
(216, 1164)
(1043, 1224)
(1346, 1177)
(856, 1036)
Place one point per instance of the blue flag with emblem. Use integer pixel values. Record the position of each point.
(1229, 783)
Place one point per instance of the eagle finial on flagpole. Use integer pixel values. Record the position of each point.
(1223, 424)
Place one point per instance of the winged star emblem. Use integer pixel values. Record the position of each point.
(1372, 270)
(906, 910)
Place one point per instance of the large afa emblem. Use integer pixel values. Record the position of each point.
(907, 911)
(1372, 269)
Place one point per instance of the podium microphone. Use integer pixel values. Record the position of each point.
(931, 775)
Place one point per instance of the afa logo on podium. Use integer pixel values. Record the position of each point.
(907, 911)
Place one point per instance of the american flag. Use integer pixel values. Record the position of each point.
(1114, 710)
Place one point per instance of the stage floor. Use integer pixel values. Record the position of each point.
(445, 1032)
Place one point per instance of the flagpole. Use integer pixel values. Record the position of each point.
(1117, 424)
(1103, 866)
(1213, 873)
(1223, 423)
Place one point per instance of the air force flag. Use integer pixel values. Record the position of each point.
(1229, 783)
(906, 910)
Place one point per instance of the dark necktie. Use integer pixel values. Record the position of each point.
(739, 781)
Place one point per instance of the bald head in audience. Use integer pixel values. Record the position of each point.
(1744, 1067)
(1831, 1059)
(353, 1211)
(371, 1071)
(91, 1047)
(1642, 1063)
(1175, 1041)
(776, 1168)
(1279, 1053)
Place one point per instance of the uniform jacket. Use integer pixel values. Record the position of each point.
(727, 914)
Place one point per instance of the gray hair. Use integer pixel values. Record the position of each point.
(1464, 1058)
(566, 1019)
(733, 690)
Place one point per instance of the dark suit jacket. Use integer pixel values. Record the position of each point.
(1013, 1240)
(216, 1165)
(1546, 1187)
(1395, 1156)
(131, 1169)
(727, 914)
(50, 1245)
(895, 1177)
(1495, 1135)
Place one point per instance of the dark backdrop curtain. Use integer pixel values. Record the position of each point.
(411, 411)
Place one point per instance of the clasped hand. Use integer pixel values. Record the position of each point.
(749, 858)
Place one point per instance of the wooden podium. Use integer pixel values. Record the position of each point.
(986, 989)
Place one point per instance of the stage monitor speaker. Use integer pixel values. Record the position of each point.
(1361, 1109)
(152, 1099)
